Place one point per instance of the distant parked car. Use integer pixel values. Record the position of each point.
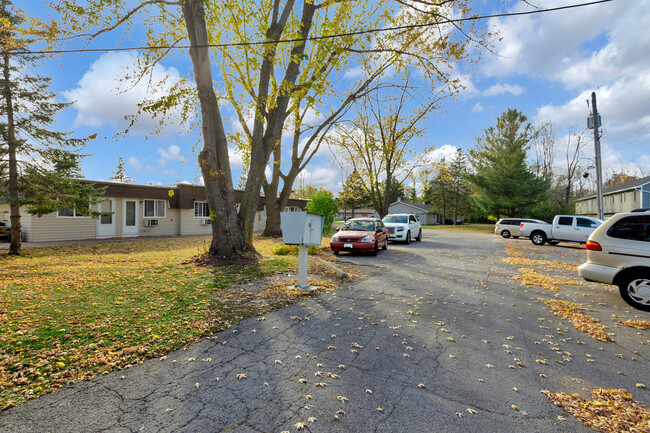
(403, 227)
(362, 235)
(565, 228)
(618, 252)
(509, 227)
(5, 232)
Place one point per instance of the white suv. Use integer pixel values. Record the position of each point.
(618, 252)
(403, 227)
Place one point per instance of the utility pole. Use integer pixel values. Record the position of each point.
(599, 167)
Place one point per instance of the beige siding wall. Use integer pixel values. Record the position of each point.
(27, 221)
(189, 225)
(168, 226)
(613, 203)
(50, 227)
(260, 222)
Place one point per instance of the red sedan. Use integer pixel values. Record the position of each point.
(360, 234)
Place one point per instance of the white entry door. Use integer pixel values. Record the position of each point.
(130, 218)
(106, 224)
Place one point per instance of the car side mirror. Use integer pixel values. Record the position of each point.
(338, 228)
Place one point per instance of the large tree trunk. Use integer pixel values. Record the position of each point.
(273, 229)
(16, 228)
(267, 128)
(227, 234)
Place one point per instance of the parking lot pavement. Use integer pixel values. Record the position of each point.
(438, 337)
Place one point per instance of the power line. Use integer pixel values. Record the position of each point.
(313, 38)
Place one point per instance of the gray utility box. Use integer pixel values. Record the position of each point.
(301, 228)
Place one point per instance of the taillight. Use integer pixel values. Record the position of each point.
(594, 246)
(521, 226)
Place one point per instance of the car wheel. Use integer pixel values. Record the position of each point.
(538, 238)
(408, 238)
(505, 234)
(419, 238)
(376, 250)
(385, 247)
(336, 253)
(635, 290)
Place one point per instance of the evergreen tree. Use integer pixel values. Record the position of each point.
(119, 175)
(439, 193)
(460, 190)
(413, 195)
(41, 179)
(502, 182)
(354, 195)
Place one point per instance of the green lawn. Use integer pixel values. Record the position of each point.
(469, 228)
(68, 313)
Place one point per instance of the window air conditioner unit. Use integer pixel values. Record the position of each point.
(151, 223)
(205, 222)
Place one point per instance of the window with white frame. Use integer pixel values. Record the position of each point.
(155, 208)
(69, 213)
(72, 213)
(201, 209)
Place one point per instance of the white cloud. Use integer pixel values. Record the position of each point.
(135, 164)
(326, 177)
(624, 107)
(103, 97)
(545, 43)
(236, 160)
(172, 153)
(499, 89)
(477, 108)
(468, 89)
(436, 155)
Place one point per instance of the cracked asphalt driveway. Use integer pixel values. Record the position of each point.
(437, 338)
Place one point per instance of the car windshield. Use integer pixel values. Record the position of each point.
(366, 226)
(402, 219)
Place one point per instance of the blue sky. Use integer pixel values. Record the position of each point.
(545, 65)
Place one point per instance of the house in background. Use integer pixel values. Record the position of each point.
(420, 210)
(618, 198)
(138, 211)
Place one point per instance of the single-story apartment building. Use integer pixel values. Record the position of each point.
(624, 197)
(138, 211)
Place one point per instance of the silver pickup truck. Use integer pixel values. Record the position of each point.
(565, 228)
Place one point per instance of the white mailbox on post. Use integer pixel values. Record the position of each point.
(303, 229)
